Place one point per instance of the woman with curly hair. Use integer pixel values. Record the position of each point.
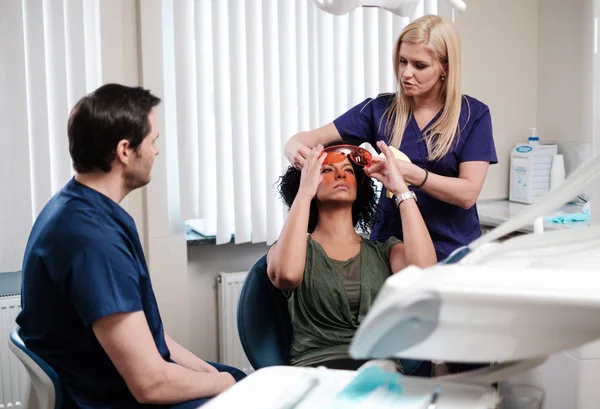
(331, 277)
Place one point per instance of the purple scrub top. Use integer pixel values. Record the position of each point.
(450, 226)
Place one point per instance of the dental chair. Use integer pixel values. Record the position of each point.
(263, 321)
(264, 325)
(45, 391)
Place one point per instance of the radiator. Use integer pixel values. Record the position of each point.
(230, 348)
(13, 377)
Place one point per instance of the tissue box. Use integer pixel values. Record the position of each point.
(530, 172)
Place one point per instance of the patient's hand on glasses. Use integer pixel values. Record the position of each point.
(311, 175)
(388, 172)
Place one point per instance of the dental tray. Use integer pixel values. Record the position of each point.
(287, 387)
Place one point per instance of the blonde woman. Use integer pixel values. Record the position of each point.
(446, 135)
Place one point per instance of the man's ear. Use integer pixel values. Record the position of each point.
(123, 152)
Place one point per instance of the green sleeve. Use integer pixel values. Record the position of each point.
(386, 247)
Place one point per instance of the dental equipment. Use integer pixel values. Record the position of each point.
(403, 8)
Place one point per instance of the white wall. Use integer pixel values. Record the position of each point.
(532, 62)
(499, 43)
(560, 70)
(566, 74)
(204, 265)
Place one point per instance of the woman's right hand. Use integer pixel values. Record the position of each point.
(296, 153)
(311, 175)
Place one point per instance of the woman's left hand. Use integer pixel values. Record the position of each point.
(388, 172)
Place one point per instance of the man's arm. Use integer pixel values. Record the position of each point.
(187, 359)
(127, 340)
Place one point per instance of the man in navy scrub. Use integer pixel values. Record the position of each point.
(88, 308)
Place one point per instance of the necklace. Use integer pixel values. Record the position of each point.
(423, 122)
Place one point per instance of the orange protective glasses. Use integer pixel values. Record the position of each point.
(356, 154)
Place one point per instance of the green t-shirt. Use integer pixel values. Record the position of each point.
(323, 320)
(349, 272)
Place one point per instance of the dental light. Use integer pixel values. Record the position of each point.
(404, 8)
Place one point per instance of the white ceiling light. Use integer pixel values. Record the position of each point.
(404, 8)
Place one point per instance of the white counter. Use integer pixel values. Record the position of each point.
(495, 212)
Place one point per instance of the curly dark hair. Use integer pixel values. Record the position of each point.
(363, 208)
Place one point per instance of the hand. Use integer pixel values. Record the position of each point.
(227, 380)
(203, 366)
(311, 175)
(410, 172)
(296, 153)
(388, 172)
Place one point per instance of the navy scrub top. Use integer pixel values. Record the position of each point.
(450, 226)
(84, 261)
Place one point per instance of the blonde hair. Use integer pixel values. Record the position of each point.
(441, 38)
